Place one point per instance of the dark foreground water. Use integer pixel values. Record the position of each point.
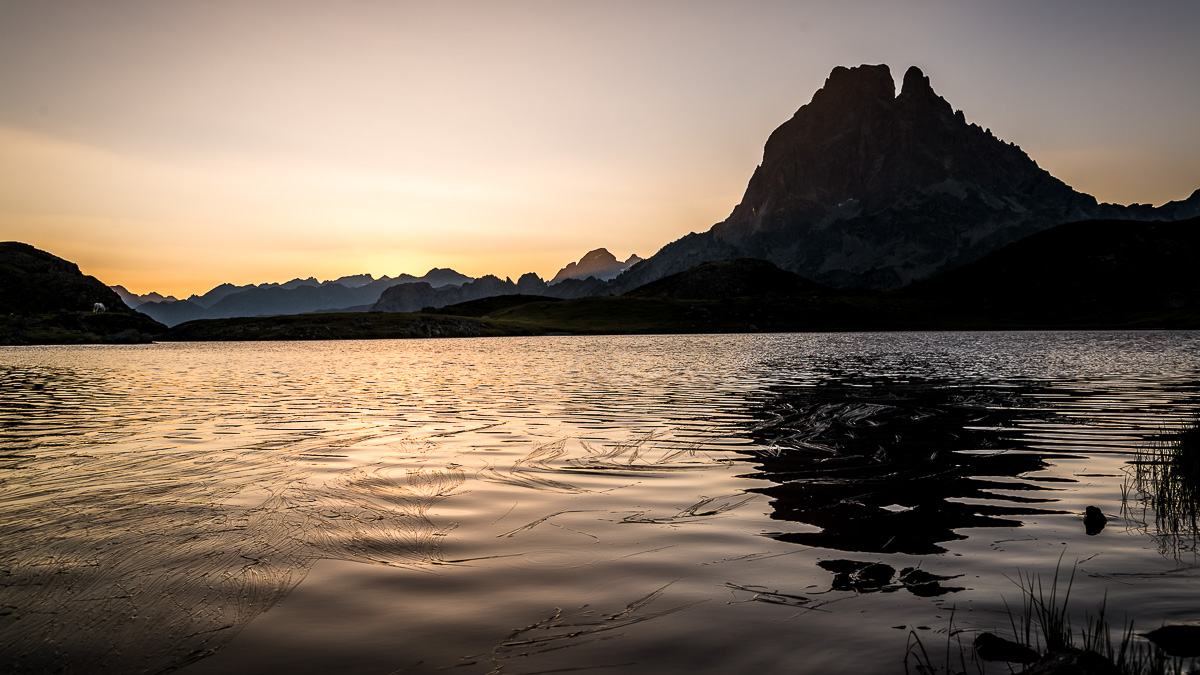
(661, 504)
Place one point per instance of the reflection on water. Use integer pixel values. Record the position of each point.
(550, 504)
(865, 577)
(1163, 494)
(887, 466)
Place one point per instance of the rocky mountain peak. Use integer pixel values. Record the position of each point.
(598, 263)
(599, 256)
(856, 87)
(918, 96)
(858, 148)
(916, 83)
(864, 187)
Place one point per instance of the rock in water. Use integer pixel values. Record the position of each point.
(1093, 520)
(1176, 640)
(992, 647)
(1070, 661)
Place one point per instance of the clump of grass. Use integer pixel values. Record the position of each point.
(1166, 475)
(1044, 611)
(1043, 623)
(955, 650)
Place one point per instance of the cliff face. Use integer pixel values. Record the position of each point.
(864, 187)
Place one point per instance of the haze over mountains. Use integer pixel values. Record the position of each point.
(293, 297)
(861, 188)
(361, 292)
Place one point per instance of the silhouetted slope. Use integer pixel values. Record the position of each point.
(35, 281)
(417, 297)
(349, 326)
(486, 306)
(46, 299)
(171, 313)
(1097, 272)
(863, 187)
(737, 278)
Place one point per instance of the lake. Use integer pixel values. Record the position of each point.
(635, 504)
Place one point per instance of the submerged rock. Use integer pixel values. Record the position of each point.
(992, 647)
(1071, 661)
(1176, 640)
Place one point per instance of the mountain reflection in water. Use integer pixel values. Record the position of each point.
(887, 467)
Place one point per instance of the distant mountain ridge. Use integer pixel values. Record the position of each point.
(436, 288)
(297, 296)
(419, 296)
(599, 264)
(864, 187)
(133, 299)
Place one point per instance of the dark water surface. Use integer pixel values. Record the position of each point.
(653, 504)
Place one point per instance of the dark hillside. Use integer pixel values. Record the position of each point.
(35, 281)
(47, 300)
(485, 306)
(723, 279)
(1096, 272)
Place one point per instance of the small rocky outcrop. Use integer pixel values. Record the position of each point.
(992, 647)
(1180, 640)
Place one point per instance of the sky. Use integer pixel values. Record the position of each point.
(173, 146)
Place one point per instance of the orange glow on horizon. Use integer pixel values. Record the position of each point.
(170, 148)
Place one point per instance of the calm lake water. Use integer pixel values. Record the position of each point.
(647, 504)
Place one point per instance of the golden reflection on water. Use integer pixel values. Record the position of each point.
(155, 500)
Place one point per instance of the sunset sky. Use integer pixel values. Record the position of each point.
(172, 146)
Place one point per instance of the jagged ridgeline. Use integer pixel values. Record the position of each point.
(864, 187)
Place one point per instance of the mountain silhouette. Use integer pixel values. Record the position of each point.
(735, 278)
(416, 297)
(47, 299)
(864, 187)
(132, 300)
(1099, 272)
(598, 263)
(298, 296)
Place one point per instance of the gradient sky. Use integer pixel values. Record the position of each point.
(172, 146)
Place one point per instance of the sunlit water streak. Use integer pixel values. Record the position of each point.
(637, 504)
